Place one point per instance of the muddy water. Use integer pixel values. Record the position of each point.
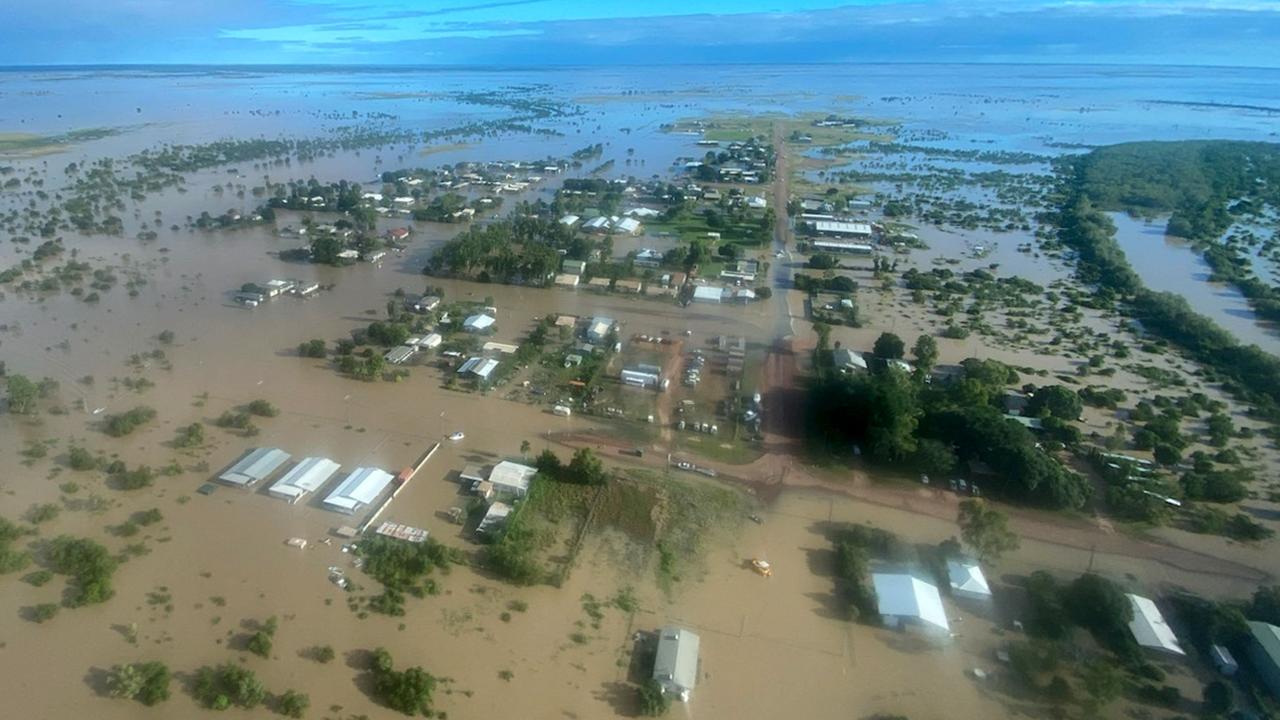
(1171, 265)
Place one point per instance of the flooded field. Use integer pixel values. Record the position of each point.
(167, 333)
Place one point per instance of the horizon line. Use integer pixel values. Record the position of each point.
(572, 66)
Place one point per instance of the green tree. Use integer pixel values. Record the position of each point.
(325, 248)
(889, 347)
(1055, 401)
(986, 530)
(926, 353)
(653, 702)
(585, 468)
(22, 395)
(1103, 682)
(293, 704)
(408, 691)
(1217, 698)
(146, 682)
(260, 644)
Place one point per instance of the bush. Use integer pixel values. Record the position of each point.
(653, 702)
(189, 436)
(43, 612)
(260, 644)
(1217, 698)
(147, 682)
(89, 565)
(135, 479)
(323, 653)
(234, 420)
(408, 691)
(262, 408)
(80, 459)
(124, 423)
(312, 349)
(293, 704)
(228, 684)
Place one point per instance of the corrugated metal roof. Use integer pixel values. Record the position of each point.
(307, 476)
(1149, 627)
(512, 476)
(257, 465)
(966, 578)
(676, 666)
(908, 596)
(361, 487)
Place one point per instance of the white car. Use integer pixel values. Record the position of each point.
(457, 436)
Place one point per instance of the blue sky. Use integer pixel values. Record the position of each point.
(588, 32)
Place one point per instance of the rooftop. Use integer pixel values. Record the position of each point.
(257, 465)
(906, 595)
(1149, 627)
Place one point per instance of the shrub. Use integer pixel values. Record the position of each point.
(312, 349)
(262, 408)
(260, 644)
(408, 691)
(653, 702)
(43, 612)
(147, 682)
(228, 684)
(80, 459)
(89, 565)
(124, 423)
(293, 704)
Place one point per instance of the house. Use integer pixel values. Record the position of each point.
(494, 518)
(648, 257)
(907, 602)
(399, 354)
(431, 341)
(511, 479)
(628, 226)
(574, 267)
(597, 224)
(504, 348)
(273, 288)
(967, 580)
(756, 202)
(421, 303)
(305, 477)
(675, 666)
(258, 465)
(566, 320)
(567, 280)
(708, 294)
(398, 234)
(848, 361)
(1264, 654)
(629, 286)
(478, 323)
(360, 488)
(599, 283)
(375, 256)
(740, 295)
(569, 220)
(306, 289)
(599, 329)
(479, 368)
(1149, 627)
(642, 212)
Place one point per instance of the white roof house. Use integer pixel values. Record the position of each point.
(708, 293)
(511, 478)
(567, 280)
(1149, 627)
(480, 367)
(842, 228)
(856, 248)
(967, 580)
(907, 600)
(599, 328)
(569, 220)
(494, 517)
(848, 360)
(627, 226)
(756, 202)
(676, 665)
(257, 465)
(361, 487)
(307, 476)
(431, 341)
(478, 323)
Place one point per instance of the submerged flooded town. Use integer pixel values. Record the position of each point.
(814, 391)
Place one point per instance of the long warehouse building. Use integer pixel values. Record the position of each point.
(305, 477)
(254, 467)
(361, 487)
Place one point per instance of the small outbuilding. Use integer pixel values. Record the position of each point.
(708, 294)
(599, 329)
(967, 580)
(1264, 654)
(494, 518)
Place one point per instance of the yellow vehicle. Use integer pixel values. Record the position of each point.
(762, 567)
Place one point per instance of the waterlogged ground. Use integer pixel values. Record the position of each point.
(770, 646)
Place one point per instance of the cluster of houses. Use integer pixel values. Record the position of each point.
(739, 162)
(501, 487)
(254, 294)
(627, 224)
